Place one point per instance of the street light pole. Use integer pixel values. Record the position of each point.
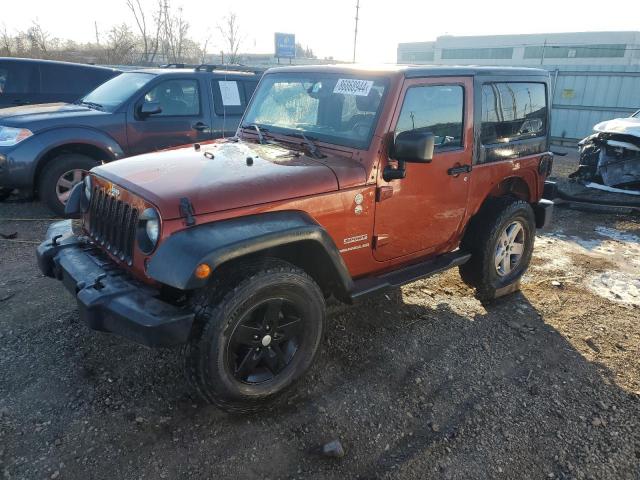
(355, 34)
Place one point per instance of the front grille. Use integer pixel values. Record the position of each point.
(112, 224)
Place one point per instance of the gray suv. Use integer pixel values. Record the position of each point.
(47, 149)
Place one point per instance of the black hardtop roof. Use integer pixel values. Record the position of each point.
(415, 71)
(56, 62)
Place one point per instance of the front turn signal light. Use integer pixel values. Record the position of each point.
(202, 271)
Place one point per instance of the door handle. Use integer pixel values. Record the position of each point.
(455, 171)
(200, 126)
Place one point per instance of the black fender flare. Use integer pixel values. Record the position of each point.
(216, 243)
(59, 137)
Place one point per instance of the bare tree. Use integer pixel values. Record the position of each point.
(176, 29)
(121, 45)
(230, 31)
(150, 29)
(39, 39)
(6, 42)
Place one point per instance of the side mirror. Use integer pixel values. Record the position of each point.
(149, 108)
(413, 146)
(410, 146)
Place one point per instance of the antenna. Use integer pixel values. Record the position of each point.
(355, 33)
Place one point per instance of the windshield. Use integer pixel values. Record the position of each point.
(110, 95)
(333, 108)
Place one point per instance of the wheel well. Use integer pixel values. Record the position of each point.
(92, 151)
(512, 186)
(307, 255)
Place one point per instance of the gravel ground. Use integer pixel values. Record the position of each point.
(421, 382)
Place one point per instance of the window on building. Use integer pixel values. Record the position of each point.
(417, 56)
(576, 51)
(500, 53)
(512, 112)
(437, 109)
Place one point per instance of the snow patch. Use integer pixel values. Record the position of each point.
(616, 286)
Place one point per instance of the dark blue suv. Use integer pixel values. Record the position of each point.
(47, 149)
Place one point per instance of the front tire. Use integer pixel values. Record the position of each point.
(59, 177)
(254, 336)
(5, 193)
(500, 239)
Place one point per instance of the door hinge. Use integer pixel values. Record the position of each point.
(380, 240)
(384, 193)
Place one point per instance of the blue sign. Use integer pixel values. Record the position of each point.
(285, 45)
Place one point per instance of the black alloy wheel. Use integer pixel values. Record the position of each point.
(265, 341)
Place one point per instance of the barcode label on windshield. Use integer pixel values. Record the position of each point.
(353, 86)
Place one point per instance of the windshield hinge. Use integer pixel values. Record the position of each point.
(186, 210)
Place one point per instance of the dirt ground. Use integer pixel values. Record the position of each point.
(418, 383)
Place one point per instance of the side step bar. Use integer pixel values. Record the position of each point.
(411, 273)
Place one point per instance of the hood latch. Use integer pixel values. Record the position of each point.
(186, 210)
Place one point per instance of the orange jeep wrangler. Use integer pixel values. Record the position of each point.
(341, 181)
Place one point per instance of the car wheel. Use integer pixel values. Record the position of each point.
(500, 240)
(59, 177)
(5, 193)
(255, 336)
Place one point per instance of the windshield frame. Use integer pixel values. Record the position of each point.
(319, 137)
(116, 107)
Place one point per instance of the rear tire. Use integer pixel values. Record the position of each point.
(500, 239)
(59, 176)
(254, 335)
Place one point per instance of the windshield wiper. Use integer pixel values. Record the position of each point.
(258, 131)
(313, 148)
(94, 105)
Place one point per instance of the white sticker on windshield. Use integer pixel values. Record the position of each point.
(229, 93)
(353, 86)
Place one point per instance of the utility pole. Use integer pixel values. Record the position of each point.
(355, 34)
(544, 48)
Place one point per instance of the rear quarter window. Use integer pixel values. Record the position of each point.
(71, 79)
(512, 114)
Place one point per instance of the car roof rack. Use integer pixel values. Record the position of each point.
(236, 67)
(178, 65)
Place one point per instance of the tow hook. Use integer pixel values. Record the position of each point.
(54, 240)
(97, 284)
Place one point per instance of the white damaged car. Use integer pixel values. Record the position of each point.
(611, 155)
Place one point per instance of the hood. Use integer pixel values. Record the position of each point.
(46, 113)
(220, 177)
(625, 126)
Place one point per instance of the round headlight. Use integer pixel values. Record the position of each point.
(87, 187)
(148, 230)
(153, 229)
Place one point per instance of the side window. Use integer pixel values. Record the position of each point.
(229, 97)
(249, 87)
(176, 98)
(4, 73)
(513, 111)
(437, 109)
(60, 79)
(18, 78)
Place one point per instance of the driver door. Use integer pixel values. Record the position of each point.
(422, 213)
(183, 119)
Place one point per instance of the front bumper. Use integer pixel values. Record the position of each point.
(108, 299)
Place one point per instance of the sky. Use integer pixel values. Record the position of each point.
(326, 26)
